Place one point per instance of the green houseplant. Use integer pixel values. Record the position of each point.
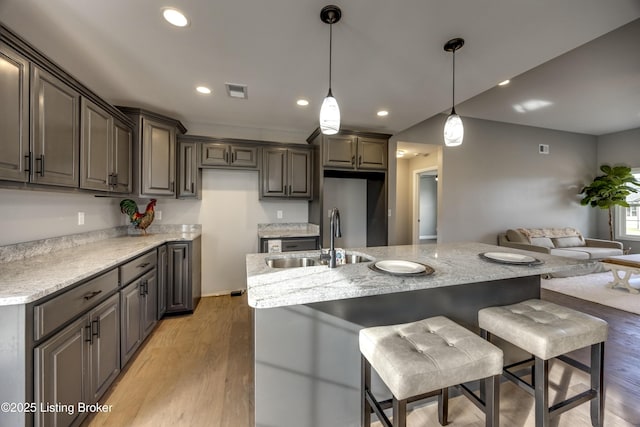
(609, 190)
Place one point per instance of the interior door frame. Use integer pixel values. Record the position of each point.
(415, 202)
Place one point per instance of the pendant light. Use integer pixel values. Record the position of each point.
(330, 112)
(453, 128)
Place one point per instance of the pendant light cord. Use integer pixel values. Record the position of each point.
(453, 86)
(330, 53)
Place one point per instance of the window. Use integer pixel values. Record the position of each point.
(628, 219)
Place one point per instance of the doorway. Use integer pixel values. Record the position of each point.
(425, 206)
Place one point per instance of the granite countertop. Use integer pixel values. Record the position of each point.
(30, 278)
(454, 264)
(283, 230)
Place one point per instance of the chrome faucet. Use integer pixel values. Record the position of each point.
(334, 232)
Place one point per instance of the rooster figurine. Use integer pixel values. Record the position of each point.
(139, 220)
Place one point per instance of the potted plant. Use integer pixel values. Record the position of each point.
(609, 190)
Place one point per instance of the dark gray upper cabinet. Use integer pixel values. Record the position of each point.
(55, 110)
(158, 158)
(223, 154)
(189, 175)
(14, 115)
(286, 173)
(105, 150)
(121, 158)
(43, 120)
(96, 143)
(354, 152)
(154, 159)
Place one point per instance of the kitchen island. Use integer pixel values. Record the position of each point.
(307, 360)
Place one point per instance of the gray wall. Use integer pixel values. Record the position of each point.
(497, 180)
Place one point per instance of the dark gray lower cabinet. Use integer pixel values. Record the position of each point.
(76, 365)
(162, 281)
(183, 286)
(138, 302)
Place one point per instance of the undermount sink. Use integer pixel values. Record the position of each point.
(295, 262)
(291, 262)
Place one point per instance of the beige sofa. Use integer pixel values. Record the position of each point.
(567, 242)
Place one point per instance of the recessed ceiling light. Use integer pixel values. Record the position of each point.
(400, 153)
(203, 90)
(504, 83)
(382, 113)
(175, 17)
(302, 102)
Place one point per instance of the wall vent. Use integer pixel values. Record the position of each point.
(237, 91)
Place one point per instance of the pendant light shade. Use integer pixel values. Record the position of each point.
(330, 112)
(329, 116)
(453, 128)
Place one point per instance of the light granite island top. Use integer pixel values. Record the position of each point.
(453, 264)
(33, 271)
(307, 319)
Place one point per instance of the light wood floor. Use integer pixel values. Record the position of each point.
(198, 371)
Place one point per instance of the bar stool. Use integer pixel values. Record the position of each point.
(423, 359)
(547, 330)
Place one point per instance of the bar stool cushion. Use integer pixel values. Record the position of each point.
(542, 328)
(427, 355)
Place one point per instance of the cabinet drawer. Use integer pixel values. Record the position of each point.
(137, 267)
(55, 312)
(290, 245)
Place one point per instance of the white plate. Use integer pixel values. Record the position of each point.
(400, 267)
(509, 257)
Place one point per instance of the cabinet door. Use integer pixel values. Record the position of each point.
(158, 158)
(179, 278)
(95, 147)
(61, 364)
(130, 331)
(246, 157)
(187, 170)
(339, 151)
(121, 164)
(215, 154)
(162, 281)
(14, 116)
(274, 175)
(55, 114)
(149, 309)
(372, 153)
(299, 174)
(104, 348)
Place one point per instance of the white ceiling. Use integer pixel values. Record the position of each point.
(387, 54)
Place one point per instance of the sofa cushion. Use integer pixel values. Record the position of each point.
(568, 242)
(516, 237)
(570, 253)
(542, 241)
(598, 252)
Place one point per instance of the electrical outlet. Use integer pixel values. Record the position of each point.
(543, 148)
(279, 214)
(158, 215)
(80, 218)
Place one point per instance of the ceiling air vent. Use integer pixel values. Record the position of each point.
(236, 91)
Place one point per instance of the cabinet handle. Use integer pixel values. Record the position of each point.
(90, 295)
(193, 188)
(41, 160)
(95, 332)
(29, 158)
(173, 186)
(226, 157)
(289, 189)
(89, 334)
(359, 160)
(143, 265)
(353, 160)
